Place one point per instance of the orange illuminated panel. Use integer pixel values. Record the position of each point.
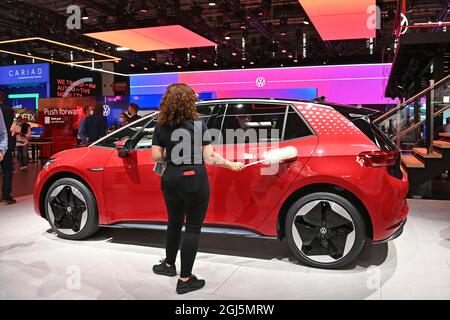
(153, 38)
(342, 19)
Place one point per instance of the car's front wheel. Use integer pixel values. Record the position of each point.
(71, 209)
(325, 230)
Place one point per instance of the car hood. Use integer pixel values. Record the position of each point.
(83, 155)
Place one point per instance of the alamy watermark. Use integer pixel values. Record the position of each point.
(74, 19)
(373, 17)
(247, 146)
(73, 281)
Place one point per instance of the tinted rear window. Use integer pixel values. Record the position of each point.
(360, 118)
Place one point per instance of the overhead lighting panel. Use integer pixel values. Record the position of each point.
(99, 57)
(153, 38)
(343, 19)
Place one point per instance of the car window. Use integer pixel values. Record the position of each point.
(215, 120)
(127, 132)
(255, 108)
(207, 113)
(254, 122)
(295, 127)
(204, 111)
(143, 140)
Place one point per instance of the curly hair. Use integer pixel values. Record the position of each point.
(177, 105)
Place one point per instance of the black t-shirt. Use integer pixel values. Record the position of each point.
(95, 126)
(183, 143)
(133, 118)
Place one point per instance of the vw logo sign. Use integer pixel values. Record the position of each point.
(404, 24)
(323, 230)
(260, 82)
(106, 110)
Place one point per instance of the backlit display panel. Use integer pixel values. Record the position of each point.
(342, 19)
(350, 84)
(153, 38)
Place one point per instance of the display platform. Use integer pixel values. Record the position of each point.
(116, 264)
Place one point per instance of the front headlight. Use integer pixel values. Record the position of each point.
(49, 162)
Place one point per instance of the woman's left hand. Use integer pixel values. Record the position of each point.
(236, 166)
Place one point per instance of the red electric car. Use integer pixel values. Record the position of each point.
(346, 186)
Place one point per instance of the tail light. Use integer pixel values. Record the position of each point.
(376, 159)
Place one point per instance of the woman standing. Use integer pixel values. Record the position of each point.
(22, 132)
(123, 119)
(184, 183)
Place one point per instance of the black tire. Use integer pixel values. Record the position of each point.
(91, 222)
(309, 230)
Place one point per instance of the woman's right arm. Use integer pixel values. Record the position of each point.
(214, 158)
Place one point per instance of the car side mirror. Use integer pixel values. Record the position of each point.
(123, 147)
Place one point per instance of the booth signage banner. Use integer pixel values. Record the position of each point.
(62, 113)
(72, 82)
(61, 117)
(25, 73)
(347, 84)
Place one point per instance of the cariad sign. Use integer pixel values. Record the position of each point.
(25, 73)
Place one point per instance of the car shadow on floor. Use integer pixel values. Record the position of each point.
(259, 248)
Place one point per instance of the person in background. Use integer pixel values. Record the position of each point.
(95, 124)
(82, 127)
(446, 127)
(123, 119)
(3, 137)
(22, 132)
(133, 110)
(7, 163)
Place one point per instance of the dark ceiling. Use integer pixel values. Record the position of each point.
(273, 32)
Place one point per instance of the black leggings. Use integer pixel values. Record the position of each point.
(186, 193)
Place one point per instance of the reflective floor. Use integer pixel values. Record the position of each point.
(116, 264)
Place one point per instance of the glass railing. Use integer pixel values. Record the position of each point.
(409, 124)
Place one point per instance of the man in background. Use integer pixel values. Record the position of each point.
(6, 152)
(82, 135)
(96, 124)
(133, 110)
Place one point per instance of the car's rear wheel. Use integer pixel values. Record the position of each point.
(71, 209)
(325, 230)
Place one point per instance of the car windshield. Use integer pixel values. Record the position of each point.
(128, 132)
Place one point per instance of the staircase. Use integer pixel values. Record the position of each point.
(423, 166)
(425, 154)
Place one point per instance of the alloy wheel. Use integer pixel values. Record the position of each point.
(67, 209)
(323, 231)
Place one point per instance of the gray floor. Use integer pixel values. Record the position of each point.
(116, 264)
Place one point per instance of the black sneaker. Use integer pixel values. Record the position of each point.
(9, 200)
(191, 285)
(164, 270)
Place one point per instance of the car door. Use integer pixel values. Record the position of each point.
(244, 199)
(132, 188)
